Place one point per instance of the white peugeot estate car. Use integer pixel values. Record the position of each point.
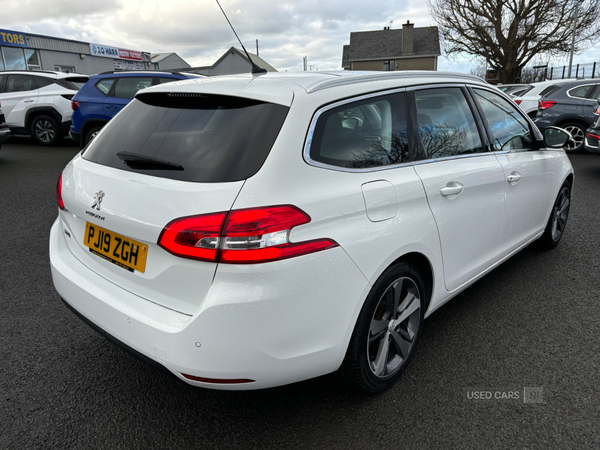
(249, 231)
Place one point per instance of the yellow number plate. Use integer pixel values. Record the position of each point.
(117, 249)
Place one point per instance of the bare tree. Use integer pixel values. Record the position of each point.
(509, 33)
(478, 70)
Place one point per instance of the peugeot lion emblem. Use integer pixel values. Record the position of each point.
(98, 199)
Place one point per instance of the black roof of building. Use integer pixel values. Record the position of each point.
(387, 44)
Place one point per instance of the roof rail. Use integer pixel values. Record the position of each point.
(55, 72)
(382, 76)
(136, 71)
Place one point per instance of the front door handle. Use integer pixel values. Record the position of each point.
(514, 178)
(28, 101)
(452, 189)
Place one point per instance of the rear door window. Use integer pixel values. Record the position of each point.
(20, 83)
(127, 87)
(190, 137)
(580, 91)
(362, 134)
(163, 80)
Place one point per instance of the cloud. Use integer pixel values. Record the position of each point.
(196, 30)
(36, 11)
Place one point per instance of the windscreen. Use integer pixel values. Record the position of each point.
(189, 137)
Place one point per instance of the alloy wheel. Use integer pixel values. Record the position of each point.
(577, 138)
(44, 131)
(560, 213)
(393, 328)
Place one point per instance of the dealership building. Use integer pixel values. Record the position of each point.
(26, 51)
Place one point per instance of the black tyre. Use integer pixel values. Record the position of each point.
(387, 330)
(577, 131)
(558, 218)
(91, 134)
(45, 130)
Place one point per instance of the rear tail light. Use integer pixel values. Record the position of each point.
(518, 101)
(597, 110)
(245, 236)
(59, 199)
(545, 104)
(75, 105)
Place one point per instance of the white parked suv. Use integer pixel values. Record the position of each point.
(529, 101)
(39, 103)
(250, 231)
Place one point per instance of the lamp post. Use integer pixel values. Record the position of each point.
(573, 37)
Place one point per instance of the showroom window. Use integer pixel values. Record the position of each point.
(14, 58)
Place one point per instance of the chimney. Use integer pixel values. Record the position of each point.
(407, 38)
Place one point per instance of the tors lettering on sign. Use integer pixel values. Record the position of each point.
(12, 39)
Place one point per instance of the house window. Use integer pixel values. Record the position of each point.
(389, 64)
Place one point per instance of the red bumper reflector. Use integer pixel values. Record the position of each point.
(217, 380)
(59, 199)
(593, 136)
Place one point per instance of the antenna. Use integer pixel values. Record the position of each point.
(255, 68)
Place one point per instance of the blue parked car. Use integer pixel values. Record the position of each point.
(104, 95)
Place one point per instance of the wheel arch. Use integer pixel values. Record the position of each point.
(42, 111)
(578, 120)
(89, 124)
(423, 265)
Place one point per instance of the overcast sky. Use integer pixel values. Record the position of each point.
(287, 30)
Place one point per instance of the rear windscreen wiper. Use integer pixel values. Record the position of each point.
(142, 162)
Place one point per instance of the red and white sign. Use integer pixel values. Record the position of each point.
(130, 54)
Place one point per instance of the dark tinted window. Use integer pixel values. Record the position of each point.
(509, 128)
(446, 123)
(213, 138)
(163, 80)
(20, 83)
(2, 78)
(368, 133)
(73, 83)
(43, 81)
(128, 87)
(549, 90)
(581, 91)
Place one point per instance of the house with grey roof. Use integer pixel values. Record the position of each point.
(233, 61)
(168, 61)
(407, 49)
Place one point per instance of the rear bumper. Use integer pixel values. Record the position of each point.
(75, 136)
(65, 126)
(4, 133)
(274, 323)
(592, 144)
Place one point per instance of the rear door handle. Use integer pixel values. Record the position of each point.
(112, 107)
(28, 101)
(514, 177)
(452, 189)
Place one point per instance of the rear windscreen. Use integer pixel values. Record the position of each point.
(189, 137)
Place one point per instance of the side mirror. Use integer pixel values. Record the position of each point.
(555, 137)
